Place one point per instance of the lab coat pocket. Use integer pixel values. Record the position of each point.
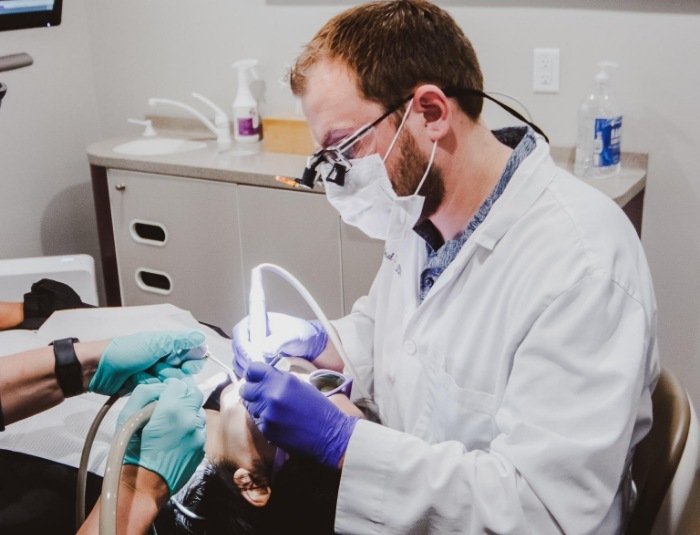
(461, 414)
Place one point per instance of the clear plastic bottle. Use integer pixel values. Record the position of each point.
(599, 133)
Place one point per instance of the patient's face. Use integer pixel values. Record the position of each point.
(241, 442)
(232, 437)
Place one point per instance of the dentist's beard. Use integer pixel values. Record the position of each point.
(409, 171)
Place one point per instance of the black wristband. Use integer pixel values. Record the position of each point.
(69, 372)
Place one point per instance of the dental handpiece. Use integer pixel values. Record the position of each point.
(257, 313)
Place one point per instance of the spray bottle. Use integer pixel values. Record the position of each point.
(599, 129)
(246, 121)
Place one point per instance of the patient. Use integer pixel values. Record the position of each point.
(241, 491)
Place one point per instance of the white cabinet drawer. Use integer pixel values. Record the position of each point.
(177, 241)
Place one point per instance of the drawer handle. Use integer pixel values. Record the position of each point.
(151, 280)
(120, 187)
(149, 232)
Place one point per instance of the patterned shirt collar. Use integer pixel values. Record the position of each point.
(441, 254)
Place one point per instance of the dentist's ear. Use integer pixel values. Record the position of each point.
(430, 102)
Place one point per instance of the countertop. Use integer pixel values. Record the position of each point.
(250, 164)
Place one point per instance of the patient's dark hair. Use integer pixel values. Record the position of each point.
(303, 499)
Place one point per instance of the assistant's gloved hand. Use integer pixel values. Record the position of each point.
(295, 416)
(289, 336)
(172, 442)
(148, 357)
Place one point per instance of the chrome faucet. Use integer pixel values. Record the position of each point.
(220, 127)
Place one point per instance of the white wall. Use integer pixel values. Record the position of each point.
(48, 117)
(169, 48)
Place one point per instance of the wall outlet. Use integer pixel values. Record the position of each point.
(545, 72)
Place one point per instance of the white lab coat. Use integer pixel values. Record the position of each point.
(513, 396)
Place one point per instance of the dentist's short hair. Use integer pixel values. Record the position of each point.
(393, 46)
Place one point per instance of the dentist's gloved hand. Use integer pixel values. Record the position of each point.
(172, 442)
(289, 336)
(295, 416)
(148, 357)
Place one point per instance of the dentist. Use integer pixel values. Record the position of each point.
(509, 339)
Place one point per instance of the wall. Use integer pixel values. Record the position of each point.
(169, 48)
(48, 117)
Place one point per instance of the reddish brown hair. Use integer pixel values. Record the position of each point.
(393, 46)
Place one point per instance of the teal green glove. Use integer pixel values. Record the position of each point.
(172, 442)
(148, 357)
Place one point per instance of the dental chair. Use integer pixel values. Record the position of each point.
(665, 465)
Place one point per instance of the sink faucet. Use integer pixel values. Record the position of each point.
(220, 127)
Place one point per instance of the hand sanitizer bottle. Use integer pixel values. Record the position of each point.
(246, 122)
(599, 134)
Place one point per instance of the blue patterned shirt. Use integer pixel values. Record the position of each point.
(522, 141)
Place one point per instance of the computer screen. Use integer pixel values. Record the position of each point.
(19, 14)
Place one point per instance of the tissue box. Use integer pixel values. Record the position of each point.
(287, 135)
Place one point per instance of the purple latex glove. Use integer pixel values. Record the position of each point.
(295, 416)
(289, 336)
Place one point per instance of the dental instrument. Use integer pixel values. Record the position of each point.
(257, 313)
(332, 335)
(221, 365)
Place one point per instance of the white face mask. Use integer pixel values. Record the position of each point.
(368, 200)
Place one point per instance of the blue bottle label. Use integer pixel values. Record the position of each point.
(607, 137)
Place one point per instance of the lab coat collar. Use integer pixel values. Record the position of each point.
(533, 176)
(526, 185)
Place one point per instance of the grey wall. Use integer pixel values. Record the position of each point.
(108, 58)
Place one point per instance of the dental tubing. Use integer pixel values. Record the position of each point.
(110, 483)
(330, 330)
(85, 458)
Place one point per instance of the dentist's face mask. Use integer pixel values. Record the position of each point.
(366, 198)
(357, 183)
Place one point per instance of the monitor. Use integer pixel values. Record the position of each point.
(19, 14)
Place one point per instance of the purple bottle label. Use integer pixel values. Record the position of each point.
(246, 127)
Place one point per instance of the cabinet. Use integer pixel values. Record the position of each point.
(193, 243)
(177, 240)
(300, 232)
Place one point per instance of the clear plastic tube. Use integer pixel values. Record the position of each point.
(80, 512)
(110, 483)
